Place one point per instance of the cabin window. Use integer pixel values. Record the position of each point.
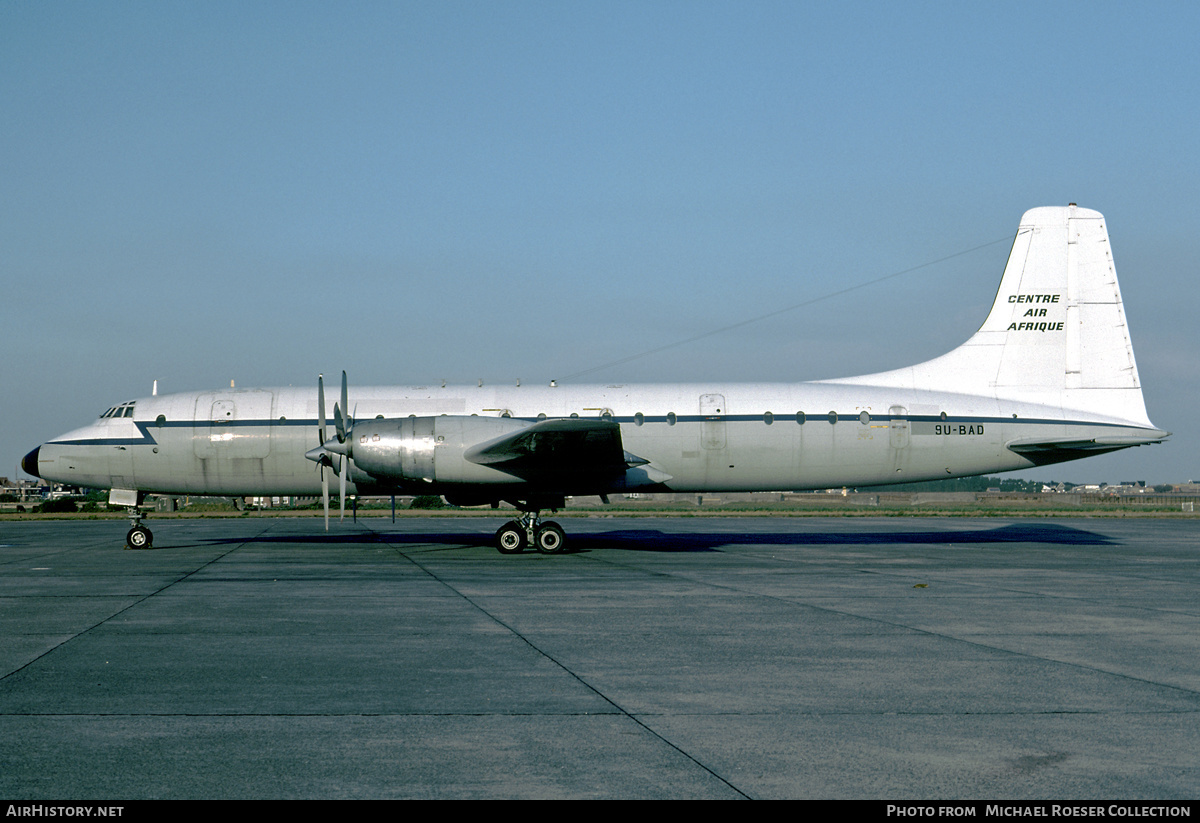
(943, 415)
(832, 418)
(768, 418)
(671, 418)
(541, 415)
(800, 418)
(639, 419)
(162, 418)
(864, 418)
(575, 415)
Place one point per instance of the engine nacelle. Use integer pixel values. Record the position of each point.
(429, 449)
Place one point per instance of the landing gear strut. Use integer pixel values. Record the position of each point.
(138, 537)
(529, 530)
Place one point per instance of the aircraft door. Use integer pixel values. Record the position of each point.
(712, 414)
(232, 424)
(898, 427)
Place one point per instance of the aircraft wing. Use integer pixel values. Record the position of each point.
(552, 451)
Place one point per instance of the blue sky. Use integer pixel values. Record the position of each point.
(199, 192)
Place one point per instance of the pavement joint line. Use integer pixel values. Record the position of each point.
(619, 709)
(893, 624)
(136, 602)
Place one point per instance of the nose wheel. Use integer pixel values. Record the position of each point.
(528, 530)
(138, 537)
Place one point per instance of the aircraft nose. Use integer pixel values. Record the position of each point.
(29, 464)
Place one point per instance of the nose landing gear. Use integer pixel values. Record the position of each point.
(138, 537)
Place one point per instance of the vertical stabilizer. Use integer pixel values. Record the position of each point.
(1056, 334)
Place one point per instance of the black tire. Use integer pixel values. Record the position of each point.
(551, 539)
(510, 538)
(139, 537)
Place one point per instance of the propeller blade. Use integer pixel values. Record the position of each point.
(325, 495)
(321, 409)
(322, 458)
(342, 487)
(345, 401)
(339, 423)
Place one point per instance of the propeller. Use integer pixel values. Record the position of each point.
(324, 453)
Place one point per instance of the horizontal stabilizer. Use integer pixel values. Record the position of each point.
(1044, 452)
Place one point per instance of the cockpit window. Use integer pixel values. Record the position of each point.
(123, 410)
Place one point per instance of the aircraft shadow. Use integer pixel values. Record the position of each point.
(656, 540)
(659, 541)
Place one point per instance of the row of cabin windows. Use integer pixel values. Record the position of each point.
(639, 419)
(768, 418)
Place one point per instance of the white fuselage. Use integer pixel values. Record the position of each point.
(706, 437)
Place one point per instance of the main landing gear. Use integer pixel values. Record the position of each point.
(529, 530)
(138, 537)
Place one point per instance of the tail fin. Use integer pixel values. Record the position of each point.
(1056, 334)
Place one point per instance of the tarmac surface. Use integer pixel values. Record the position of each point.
(886, 658)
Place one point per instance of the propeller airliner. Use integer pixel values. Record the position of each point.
(1050, 376)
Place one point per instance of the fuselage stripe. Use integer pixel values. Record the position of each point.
(147, 439)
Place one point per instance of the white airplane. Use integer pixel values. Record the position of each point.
(1050, 376)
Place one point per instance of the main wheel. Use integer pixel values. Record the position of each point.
(510, 538)
(139, 537)
(551, 539)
